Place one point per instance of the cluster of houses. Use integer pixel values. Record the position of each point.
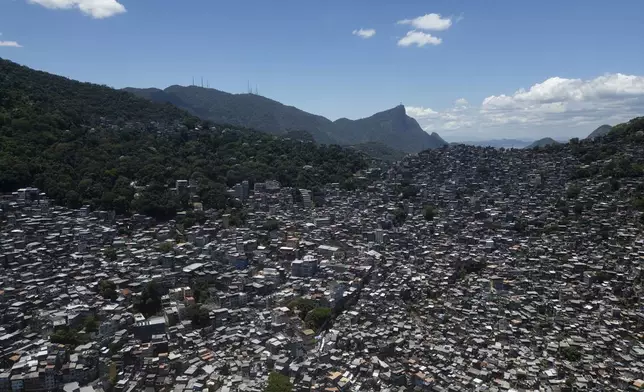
(513, 284)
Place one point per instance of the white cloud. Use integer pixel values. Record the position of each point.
(11, 44)
(419, 39)
(556, 89)
(418, 111)
(557, 107)
(434, 22)
(364, 33)
(97, 9)
(461, 102)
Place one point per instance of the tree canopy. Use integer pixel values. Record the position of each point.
(278, 382)
(67, 336)
(199, 316)
(316, 318)
(85, 144)
(429, 212)
(149, 303)
(302, 306)
(90, 324)
(107, 289)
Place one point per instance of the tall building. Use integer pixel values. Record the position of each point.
(238, 191)
(245, 189)
(379, 236)
(306, 267)
(306, 198)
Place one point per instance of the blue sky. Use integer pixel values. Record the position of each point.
(580, 63)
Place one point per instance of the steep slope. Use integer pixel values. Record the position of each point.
(601, 131)
(380, 151)
(392, 127)
(546, 141)
(88, 144)
(243, 110)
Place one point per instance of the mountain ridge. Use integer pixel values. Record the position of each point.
(392, 127)
(88, 144)
(602, 130)
(546, 141)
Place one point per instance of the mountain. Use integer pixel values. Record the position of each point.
(85, 144)
(499, 143)
(546, 141)
(242, 110)
(601, 131)
(392, 127)
(380, 151)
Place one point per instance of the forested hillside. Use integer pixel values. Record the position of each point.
(89, 144)
(243, 110)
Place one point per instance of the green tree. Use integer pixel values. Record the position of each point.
(638, 203)
(107, 289)
(271, 225)
(149, 303)
(578, 208)
(409, 191)
(573, 192)
(400, 216)
(316, 318)
(165, 247)
(67, 336)
(348, 185)
(90, 324)
(198, 315)
(429, 212)
(110, 253)
(278, 382)
(302, 306)
(571, 354)
(201, 292)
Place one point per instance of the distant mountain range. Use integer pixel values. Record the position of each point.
(498, 143)
(546, 141)
(393, 127)
(601, 131)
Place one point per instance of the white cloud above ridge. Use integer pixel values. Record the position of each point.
(557, 107)
(364, 33)
(97, 9)
(419, 39)
(418, 111)
(433, 22)
(10, 44)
